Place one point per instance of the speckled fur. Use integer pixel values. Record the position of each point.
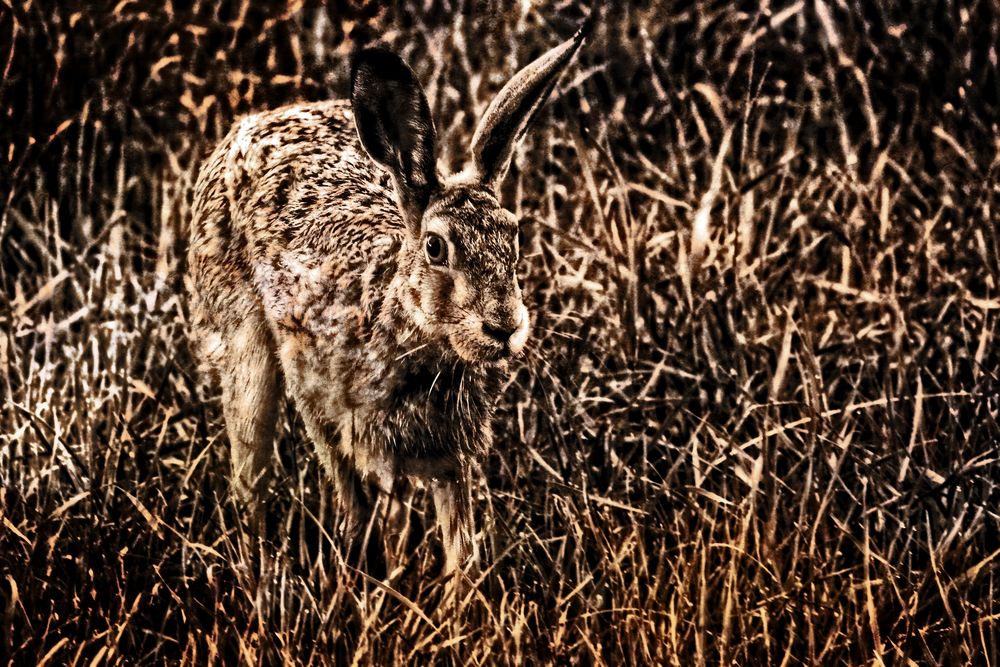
(306, 263)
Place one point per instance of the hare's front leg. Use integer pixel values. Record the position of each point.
(453, 504)
(356, 498)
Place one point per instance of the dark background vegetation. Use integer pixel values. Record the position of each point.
(758, 422)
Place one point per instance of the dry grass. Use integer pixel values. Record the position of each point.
(758, 424)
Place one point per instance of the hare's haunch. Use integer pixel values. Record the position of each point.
(326, 248)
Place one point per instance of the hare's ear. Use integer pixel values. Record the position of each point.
(515, 106)
(395, 127)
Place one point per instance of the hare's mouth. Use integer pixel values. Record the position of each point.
(484, 351)
(478, 351)
(476, 342)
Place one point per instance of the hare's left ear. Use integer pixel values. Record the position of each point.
(515, 106)
(394, 124)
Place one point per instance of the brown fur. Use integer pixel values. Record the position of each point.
(307, 259)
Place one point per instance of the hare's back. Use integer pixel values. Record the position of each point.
(291, 207)
(295, 178)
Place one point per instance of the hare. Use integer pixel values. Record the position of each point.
(325, 249)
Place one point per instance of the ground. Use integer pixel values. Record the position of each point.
(757, 423)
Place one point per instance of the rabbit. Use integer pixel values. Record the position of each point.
(328, 256)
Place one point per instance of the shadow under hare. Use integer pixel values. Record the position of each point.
(326, 249)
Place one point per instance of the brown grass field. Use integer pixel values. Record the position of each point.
(757, 424)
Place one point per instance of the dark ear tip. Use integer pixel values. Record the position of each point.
(587, 27)
(378, 61)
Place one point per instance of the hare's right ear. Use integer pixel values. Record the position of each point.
(514, 108)
(395, 127)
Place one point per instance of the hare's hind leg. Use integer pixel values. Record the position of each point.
(238, 345)
(250, 404)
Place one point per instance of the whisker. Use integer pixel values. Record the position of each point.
(412, 350)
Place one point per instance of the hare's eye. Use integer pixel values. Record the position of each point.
(436, 249)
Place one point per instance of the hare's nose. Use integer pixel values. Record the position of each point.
(501, 331)
(504, 324)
